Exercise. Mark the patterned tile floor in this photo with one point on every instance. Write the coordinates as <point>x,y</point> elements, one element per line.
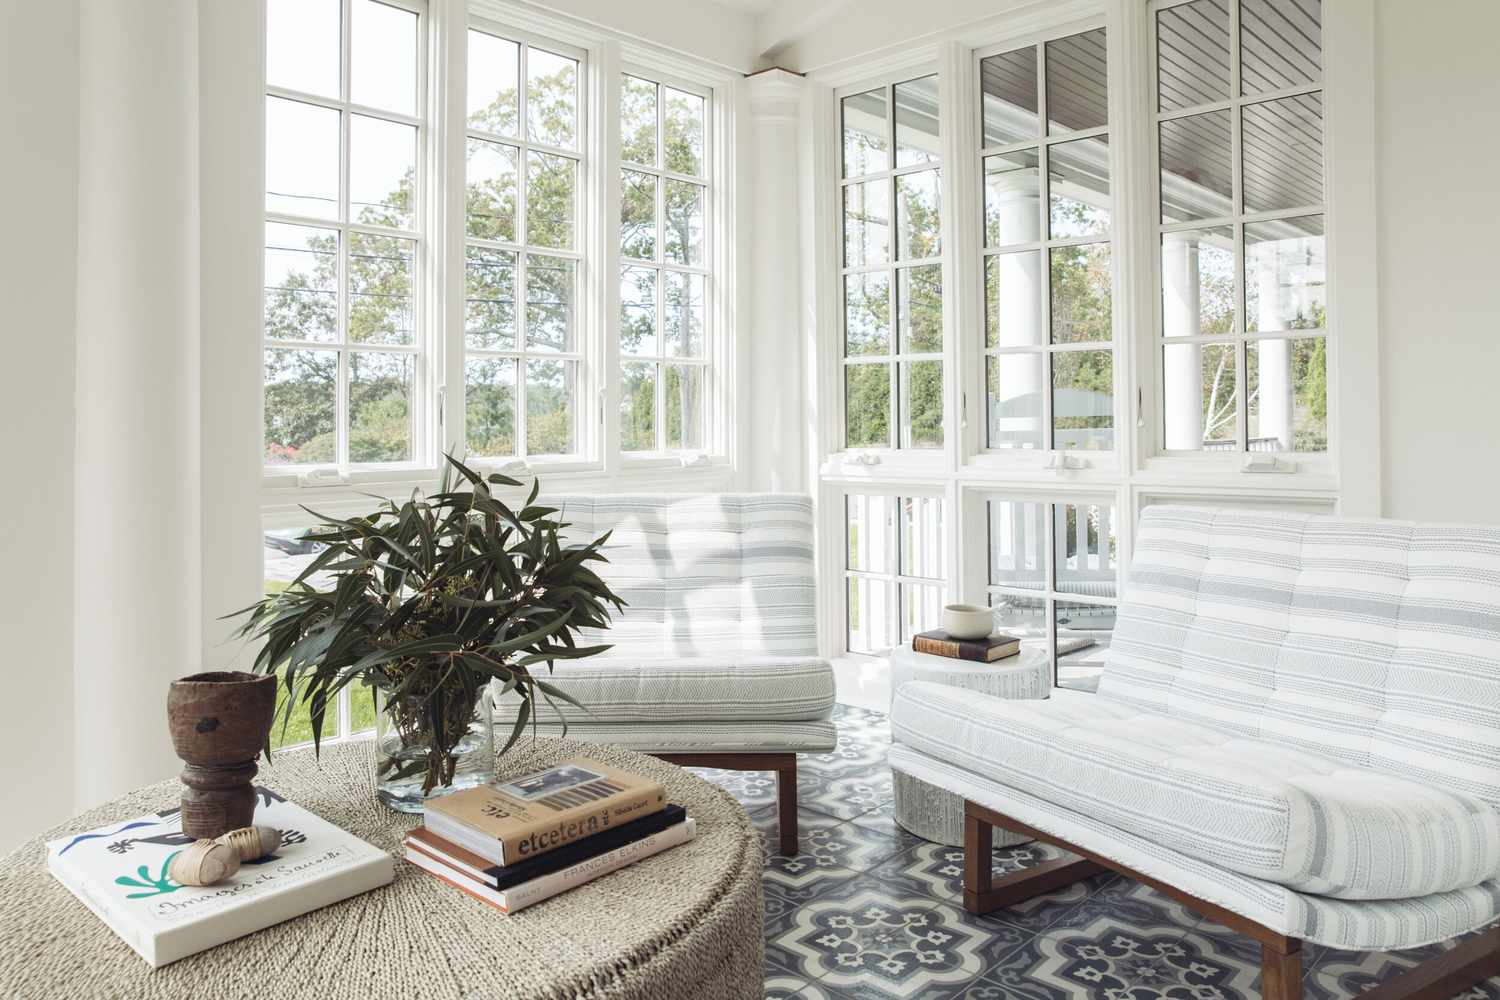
<point>868,911</point>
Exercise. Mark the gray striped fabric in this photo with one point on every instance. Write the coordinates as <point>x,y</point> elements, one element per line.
<point>700,737</point>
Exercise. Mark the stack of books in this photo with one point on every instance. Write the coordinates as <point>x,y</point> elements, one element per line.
<point>518,843</point>
<point>986,650</point>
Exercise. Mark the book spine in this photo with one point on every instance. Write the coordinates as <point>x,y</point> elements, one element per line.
<point>552,833</point>
<point>539,889</point>
<point>951,648</point>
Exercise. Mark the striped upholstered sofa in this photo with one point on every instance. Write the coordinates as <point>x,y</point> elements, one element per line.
<point>1297,732</point>
<point>715,660</point>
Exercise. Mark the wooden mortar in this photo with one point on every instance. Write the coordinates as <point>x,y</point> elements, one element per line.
<point>219,721</point>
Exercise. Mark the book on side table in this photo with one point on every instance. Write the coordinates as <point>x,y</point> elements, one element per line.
<point>986,650</point>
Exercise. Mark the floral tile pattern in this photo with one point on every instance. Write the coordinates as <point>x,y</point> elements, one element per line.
<point>868,911</point>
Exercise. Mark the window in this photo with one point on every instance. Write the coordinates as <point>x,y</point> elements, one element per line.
<point>894,569</point>
<point>523,350</point>
<point>1049,357</point>
<point>343,237</point>
<point>664,269</point>
<point>892,271</point>
<point>1243,269</point>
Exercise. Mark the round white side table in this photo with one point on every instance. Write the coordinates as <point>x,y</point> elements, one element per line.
<point>933,813</point>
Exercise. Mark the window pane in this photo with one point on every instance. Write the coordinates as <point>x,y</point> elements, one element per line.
<point>380,387</point>
<point>1080,293</point>
<point>867,215</point>
<point>919,218</point>
<point>683,397</point>
<point>551,99</point>
<point>1013,299</point>
<point>491,205</point>
<point>1077,82</point>
<point>919,308</point>
<point>551,193</point>
<point>1014,400</point>
<point>1085,549</point>
<point>1197,181</point>
<point>1281,44</point>
<point>302,298</point>
<point>867,406</point>
<point>550,406</point>
<point>301,406</point>
<point>922,537</point>
<point>683,301</point>
<point>917,122</point>
<point>866,134</point>
<point>1286,275</point>
<point>921,609</point>
<point>494,84</point>
<point>871,520</point>
<point>382,172</point>
<point>1012,198</point>
<point>867,313</point>
<point>637,406</point>
<point>550,288</point>
<point>638,311</point>
<point>1288,394</point>
<point>638,121</point>
<point>871,629</point>
<point>383,60</point>
<point>1283,153</point>
<point>490,300</point>
<point>637,214</point>
<point>382,270</point>
<point>1197,282</point>
<point>1192,54</point>
<point>1083,636</point>
<point>1078,188</point>
<point>1200,396</point>
<point>1018,534</point>
<point>922,404</point>
<point>490,406</point>
<point>1025,617</point>
<point>302,159</point>
<point>1083,401</point>
<point>1008,83</point>
<point>682,239</point>
<point>684,132</point>
<point>303,45</point>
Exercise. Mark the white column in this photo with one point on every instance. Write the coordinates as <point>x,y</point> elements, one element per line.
<point>1182,369</point>
<point>137,600</point>
<point>769,419</point>
<point>1274,396</point>
<point>1017,197</point>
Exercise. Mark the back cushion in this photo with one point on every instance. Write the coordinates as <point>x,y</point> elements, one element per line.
<point>1373,642</point>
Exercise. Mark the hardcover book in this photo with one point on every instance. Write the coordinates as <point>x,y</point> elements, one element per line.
<point>505,876</point>
<point>120,872</point>
<point>518,897</point>
<point>509,822</point>
<point>986,650</point>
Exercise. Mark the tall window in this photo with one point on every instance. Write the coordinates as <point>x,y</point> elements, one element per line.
<point>1049,358</point>
<point>894,568</point>
<point>1239,111</point>
<point>664,271</point>
<point>523,350</point>
<point>892,275</point>
<point>344,190</point>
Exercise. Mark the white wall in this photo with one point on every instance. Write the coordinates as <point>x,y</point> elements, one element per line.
<point>1438,161</point>
<point>38,118</point>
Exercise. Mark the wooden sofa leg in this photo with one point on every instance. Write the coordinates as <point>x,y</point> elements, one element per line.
<point>1281,972</point>
<point>1466,964</point>
<point>786,806</point>
<point>982,894</point>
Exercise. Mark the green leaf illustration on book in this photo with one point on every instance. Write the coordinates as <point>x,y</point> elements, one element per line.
<point>158,886</point>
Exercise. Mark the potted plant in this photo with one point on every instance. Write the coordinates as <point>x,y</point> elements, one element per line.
<point>427,603</point>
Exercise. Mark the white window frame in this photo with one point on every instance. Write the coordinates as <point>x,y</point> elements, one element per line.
<point>895,578</point>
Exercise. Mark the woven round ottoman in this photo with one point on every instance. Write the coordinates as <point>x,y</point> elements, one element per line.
<point>686,923</point>
<point>933,813</point>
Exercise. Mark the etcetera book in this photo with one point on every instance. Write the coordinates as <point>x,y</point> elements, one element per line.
<point>120,872</point>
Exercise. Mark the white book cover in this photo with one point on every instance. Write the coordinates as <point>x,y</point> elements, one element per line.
<point>120,872</point>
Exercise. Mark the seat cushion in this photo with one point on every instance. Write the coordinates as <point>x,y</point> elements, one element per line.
<point>619,690</point>
<point>1248,805</point>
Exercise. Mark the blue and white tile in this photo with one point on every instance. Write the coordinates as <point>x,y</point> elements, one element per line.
<point>1342,973</point>
<point>848,795</point>
<point>752,789</point>
<point>831,850</point>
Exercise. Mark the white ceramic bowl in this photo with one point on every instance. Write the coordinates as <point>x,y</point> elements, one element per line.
<point>967,621</point>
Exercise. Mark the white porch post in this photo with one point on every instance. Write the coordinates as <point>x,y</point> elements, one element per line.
<point>1274,395</point>
<point>1016,196</point>
<point>1182,370</point>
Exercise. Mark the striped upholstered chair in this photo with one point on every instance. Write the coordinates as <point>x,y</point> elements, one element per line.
<point>1297,733</point>
<point>715,660</point>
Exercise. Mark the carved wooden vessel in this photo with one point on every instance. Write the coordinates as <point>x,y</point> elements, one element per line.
<point>219,723</point>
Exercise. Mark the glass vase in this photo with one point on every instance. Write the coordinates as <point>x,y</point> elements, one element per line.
<point>410,768</point>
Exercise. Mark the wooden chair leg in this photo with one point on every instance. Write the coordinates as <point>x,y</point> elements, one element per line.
<point>786,806</point>
<point>1466,964</point>
<point>1281,972</point>
<point>982,895</point>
